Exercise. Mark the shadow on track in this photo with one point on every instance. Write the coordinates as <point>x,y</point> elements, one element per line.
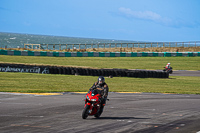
<point>120,118</point>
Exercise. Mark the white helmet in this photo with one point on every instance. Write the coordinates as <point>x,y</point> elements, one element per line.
<point>168,63</point>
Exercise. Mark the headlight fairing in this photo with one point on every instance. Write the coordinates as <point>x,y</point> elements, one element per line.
<point>88,98</point>
<point>94,100</point>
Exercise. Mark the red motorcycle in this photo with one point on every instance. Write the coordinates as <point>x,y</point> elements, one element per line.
<point>169,70</point>
<point>92,104</point>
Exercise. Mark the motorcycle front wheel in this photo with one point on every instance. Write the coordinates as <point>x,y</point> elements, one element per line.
<point>85,112</point>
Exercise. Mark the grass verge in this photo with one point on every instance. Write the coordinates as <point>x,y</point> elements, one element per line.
<point>156,63</point>
<point>40,83</point>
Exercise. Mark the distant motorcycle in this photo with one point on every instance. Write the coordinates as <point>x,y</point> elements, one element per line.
<point>92,104</point>
<point>169,70</point>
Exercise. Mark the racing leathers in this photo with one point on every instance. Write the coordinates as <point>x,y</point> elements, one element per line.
<point>103,90</point>
<point>167,66</point>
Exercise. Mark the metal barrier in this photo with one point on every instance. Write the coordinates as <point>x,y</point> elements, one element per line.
<point>112,45</point>
<point>98,54</point>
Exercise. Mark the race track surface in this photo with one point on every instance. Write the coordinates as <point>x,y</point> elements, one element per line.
<point>185,73</point>
<point>178,72</point>
<point>124,113</point>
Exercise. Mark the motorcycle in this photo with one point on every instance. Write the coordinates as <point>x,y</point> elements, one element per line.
<point>169,70</point>
<point>92,104</point>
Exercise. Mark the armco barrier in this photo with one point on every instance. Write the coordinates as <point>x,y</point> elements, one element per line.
<point>6,67</point>
<point>98,54</point>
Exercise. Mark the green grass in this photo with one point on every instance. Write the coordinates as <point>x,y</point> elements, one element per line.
<point>28,82</point>
<point>178,63</point>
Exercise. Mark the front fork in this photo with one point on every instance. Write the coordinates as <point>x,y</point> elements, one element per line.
<point>91,106</point>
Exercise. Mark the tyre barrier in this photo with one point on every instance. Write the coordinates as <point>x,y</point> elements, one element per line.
<point>44,69</point>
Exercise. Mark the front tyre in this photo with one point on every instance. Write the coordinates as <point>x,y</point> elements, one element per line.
<point>85,112</point>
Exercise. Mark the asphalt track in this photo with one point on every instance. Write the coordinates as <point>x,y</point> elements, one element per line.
<point>124,113</point>
<point>179,72</point>
<point>185,73</point>
<point>136,112</point>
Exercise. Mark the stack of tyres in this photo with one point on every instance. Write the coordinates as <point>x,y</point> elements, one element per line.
<point>150,74</point>
<point>77,71</point>
<point>111,73</point>
<point>55,71</point>
<point>101,72</point>
<point>145,74</point>
<point>154,74</point>
<point>83,71</point>
<point>141,74</point>
<point>73,71</point>
<point>118,73</point>
<point>104,72</point>
<point>60,71</point>
<point>64,70</point>
<point>41,68</point>
<point>130,73</point>
<point>88,73</point>
<point>51,70</point>
<point>69,69</point>
<point>159,74</point>
<point>98,72</point>
<point>94,72</point>
<point>137,74</point>
<point>166,75</point>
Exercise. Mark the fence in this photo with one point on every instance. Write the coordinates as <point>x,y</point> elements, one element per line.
<point>98,54</point>
<point>111,45</point>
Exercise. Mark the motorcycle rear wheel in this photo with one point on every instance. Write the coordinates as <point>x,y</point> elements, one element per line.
<point>97,115</point>
<point>85,112</point>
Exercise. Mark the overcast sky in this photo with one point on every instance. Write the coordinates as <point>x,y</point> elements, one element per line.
<point>136,20</point>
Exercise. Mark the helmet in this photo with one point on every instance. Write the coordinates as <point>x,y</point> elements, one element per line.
<point>168,63</point>
<point>101,80</point>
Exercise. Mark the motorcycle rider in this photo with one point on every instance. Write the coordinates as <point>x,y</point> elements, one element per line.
<point>167,66</point>
<point>102,88</point>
